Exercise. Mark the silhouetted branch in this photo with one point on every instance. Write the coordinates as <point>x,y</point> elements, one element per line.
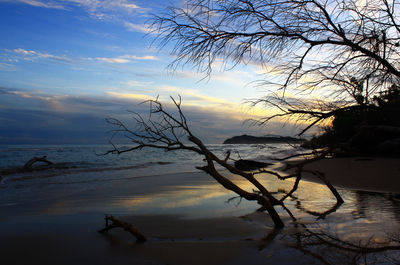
<point>170,132</point>
<point>304,46</point>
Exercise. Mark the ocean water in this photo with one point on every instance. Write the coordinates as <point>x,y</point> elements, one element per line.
<point>74,163</point>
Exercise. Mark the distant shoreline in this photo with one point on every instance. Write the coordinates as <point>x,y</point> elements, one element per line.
<point>249,139</point>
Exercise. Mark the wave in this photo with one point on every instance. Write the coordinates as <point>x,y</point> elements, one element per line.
<point>30,149</point>
<point>54,170</point>
<point>101,179</point>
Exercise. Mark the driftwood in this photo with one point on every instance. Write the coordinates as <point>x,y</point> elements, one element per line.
<point>126,226</point>
<point>28,165</point>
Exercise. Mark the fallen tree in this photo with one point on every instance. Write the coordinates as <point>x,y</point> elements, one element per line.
<point>168,131</point>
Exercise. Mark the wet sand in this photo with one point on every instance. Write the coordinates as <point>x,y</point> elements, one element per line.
<point>63,229</point>
<point>171,240</point>
<point>360,173</point>
<point>59,225</point>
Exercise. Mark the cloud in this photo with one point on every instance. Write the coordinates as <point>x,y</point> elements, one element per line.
<point>195,96</point>
<point>138,27</point>
<point>109,9</point>
<point>108,5</point>
<point>191,99</point>
<point>7,67</point>
<point>99,9</point>
<point>236,77</point>
<point>219,106</point>
<point>123,59</point>
<point>32,55</point>
<point>25,52</point>
<point>134,96</point>
<point>134,83</point>
<point>111,60</point>
<point>146,57</point>
<point>38,3</point>
<point>39,117</point>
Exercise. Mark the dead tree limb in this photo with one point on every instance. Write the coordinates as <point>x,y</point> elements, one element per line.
<point>324,179</point>
<point>169,131</point>
<point>140,238</point>
<point>298,168</point>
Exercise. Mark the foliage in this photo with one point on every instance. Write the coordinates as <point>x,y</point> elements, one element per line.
<point>383,112</point>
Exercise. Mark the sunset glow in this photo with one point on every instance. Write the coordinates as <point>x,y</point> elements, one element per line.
<point>77,55</point>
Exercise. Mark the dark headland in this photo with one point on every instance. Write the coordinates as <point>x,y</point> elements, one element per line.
<point>248,139</point>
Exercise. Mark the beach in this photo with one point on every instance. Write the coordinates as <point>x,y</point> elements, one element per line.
<point>64,231</point>
<point>187,219</point>
<point>375,174</point>
<point>182,132</point>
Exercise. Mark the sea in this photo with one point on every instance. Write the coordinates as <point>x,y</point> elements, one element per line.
<point>91,163</point>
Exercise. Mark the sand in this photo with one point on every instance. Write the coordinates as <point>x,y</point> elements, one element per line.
<point>360,173</point>
<point>185,219</point>
<point>172,240</point>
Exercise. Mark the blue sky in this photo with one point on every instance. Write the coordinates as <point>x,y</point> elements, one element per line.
<point>67,65</point>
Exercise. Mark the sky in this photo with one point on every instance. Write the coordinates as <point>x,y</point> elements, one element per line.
<point>67,65</point>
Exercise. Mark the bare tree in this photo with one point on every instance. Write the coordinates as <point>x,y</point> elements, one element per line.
<point>310,45</point>
<point>168,130</point>
<point>339,46</point>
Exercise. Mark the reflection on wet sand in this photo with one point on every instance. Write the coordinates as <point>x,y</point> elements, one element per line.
<point>363,230</point>
<point>328,248</point>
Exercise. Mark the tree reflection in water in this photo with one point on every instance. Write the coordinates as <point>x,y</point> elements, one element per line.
<point>322,241</point>
<point>329,248</point>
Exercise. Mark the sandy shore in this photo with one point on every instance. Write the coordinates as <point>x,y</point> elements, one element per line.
<point>171,240</point>
<point>187,220</point>
<point>369,174</point>
<point>185,217</point>
<point>70,236</point>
